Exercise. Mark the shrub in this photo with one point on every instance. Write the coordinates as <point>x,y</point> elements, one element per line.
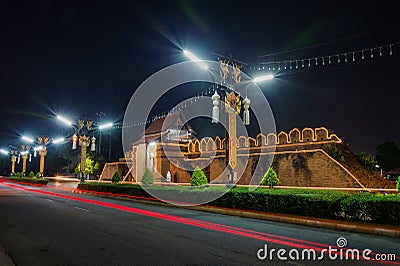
<point>398,183</point>
<point>17,174</point>
<point>337,155</point>
<point>115,178</point>
<point>364,207</point>
<point>31,174</point>
<point>147,178</point>
<point>270,178</point>
<point>27,180</point>
<point>368,161</point>
<point>38,175</point>
<point>369,207</point>
<point>198,178</point>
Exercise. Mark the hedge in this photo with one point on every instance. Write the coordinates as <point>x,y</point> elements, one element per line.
<point>362,207</point>
<point>39,181</point>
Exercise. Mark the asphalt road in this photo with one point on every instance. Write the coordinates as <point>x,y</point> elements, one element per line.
<point>49,226</point>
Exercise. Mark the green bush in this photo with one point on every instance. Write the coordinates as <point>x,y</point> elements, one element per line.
<point>147,178</point>
<point>17,174</point>
<point>41,181</point>
<point>198,178</point>
<point>398,183</point>
<point>362,207</point>
<point>270,178</point>
<point>38,175</point>
<point>369,207</point>
<point>31,174</point>
<point>115,178</point>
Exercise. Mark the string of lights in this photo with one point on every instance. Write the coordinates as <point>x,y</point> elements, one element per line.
<point>338,58</point>
<point>184,104</point>
<point>344,57</point>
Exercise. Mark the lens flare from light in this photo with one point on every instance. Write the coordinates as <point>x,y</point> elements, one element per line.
<point>58,140</point>
<point>64,120</point>
<point>195,59</point>
<point>263,78</point>
<point>27,139</point>
<point>104,126</point>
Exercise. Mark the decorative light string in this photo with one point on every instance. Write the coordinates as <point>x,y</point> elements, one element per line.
<point>345,57</point>
<point>181,106</point>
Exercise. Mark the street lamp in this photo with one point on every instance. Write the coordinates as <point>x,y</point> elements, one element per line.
<point>195,59</point>
<point>107,126</point>
<point>263,78</point>
<point>13,155</point>
<point>233,103</point>
<point>41,147</point>
<point>378,167</point>
<point>81,137</point>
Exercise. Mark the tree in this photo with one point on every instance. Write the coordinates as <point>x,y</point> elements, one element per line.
<point>198,178</point>
<point>147,178</point>
<point>398,183</point>
<point>368,161</point>
<point>115,178</point>
<point>270,178</point>
<point>91,166</point>
<point>388,155</point>
<point>31,174</point>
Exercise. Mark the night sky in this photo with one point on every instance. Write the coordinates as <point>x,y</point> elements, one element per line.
<point>77,58</point>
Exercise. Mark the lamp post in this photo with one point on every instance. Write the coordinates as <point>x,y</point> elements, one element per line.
<point>100,115</point>
<point>24,156</point>
<point>13,155</point>
<point>378,167</point>
<point>82,138</point>
<point>103,127</point>
<point>233,103</point>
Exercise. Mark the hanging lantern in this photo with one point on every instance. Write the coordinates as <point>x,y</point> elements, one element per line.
<point>30,157</point>
<point>93,146</point>
<point>34,153</point>
<point>215,114</point>
<point>246,113</point>
<point>74,141</point>
<point>19,158</point>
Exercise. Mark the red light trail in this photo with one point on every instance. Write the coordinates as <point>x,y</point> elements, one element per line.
<point>281,240</point>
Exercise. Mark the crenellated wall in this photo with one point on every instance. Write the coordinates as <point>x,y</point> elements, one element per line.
<point>300,157</point>
<point>295,137</point>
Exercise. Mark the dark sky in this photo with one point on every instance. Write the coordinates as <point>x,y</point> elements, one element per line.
<point>81,57</point>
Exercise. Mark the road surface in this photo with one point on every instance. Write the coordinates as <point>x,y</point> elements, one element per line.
<point>52,226</point>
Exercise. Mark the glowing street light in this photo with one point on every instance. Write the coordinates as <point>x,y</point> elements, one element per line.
<point>195,59</point>
<point>263,78</point>
<point>105,126</point>
<point>59,140</point>
<point>13,154</point>
<point>27,139</point>
<point>82,129</point>
<point>64,120</point>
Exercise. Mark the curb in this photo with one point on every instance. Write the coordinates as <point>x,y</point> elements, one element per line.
<point>375,229</point>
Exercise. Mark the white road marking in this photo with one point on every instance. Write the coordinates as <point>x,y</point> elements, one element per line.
<point>50,200</point>
<point>82,209</point>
